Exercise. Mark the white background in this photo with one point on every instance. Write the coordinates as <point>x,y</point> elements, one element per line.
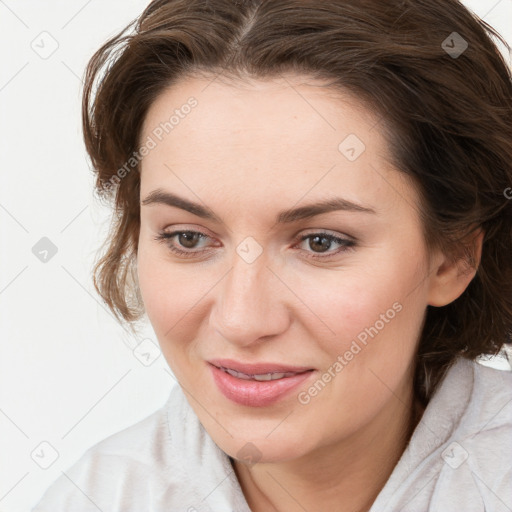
<point>68,373</point>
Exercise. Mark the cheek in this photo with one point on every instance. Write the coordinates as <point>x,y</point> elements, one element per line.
<point>373,311</point>
<point>367,361</point>
<point>168,292</point>
<point>172,301</point>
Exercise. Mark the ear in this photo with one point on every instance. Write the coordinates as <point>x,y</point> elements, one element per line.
<point>451,276</point>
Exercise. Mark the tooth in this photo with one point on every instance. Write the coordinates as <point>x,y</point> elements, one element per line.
<point>239,375</point>
<point>263,376</point>
<point>273,376</point>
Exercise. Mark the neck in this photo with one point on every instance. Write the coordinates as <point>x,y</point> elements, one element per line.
<point>347,475</point>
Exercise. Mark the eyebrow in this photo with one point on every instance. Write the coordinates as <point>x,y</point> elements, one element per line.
<point>159,196</point>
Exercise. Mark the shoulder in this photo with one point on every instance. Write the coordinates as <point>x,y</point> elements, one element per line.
<point>165,462</point>
<point>485,431</point>
<point>476,464</point>
<point>477,457</point>
<point>488,412</point>
<point>119,472</point>
<point>481,393</point>
<point>459,455</point>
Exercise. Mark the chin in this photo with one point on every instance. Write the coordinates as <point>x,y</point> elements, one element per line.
<point>262,448</point>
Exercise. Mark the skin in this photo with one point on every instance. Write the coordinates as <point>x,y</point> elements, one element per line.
<point>248,151</point>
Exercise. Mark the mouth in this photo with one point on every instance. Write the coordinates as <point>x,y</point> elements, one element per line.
<point>259,377</point>
<point>263,370</point>
<point>256,385</point>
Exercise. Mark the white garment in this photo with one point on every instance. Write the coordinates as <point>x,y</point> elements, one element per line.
<point>458,459</point>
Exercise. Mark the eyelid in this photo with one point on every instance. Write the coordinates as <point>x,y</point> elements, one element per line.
<point>322,231</point>
<point>195,228</point>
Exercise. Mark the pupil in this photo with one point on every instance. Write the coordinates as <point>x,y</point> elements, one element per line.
<point>321,243</point>
<point>188,239</point>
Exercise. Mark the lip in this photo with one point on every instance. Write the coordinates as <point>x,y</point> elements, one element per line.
<point>254,393</point>
<point>257,368</point>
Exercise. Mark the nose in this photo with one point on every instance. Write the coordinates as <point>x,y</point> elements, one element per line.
<point>250,304</point>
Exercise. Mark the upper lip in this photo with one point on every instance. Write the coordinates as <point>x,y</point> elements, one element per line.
<point>257,368</point>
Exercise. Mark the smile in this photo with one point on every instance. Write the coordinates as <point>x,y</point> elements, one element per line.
<point>257,389</point>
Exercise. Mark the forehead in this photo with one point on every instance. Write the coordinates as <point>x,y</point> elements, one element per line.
<point>284,136</point>
<point>282,113</point>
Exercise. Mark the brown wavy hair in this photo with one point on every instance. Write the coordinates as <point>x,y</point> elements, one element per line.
<point>448,121</point>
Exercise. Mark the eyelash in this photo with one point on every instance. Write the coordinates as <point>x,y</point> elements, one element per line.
<point>346,244</point>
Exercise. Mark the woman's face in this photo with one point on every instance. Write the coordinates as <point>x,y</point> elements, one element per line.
<point>275,233</point>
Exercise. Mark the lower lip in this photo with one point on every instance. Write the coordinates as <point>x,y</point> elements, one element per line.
<point>256,393</point>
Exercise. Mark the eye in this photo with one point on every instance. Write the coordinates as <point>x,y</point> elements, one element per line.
<point>183,242</point>
<point>188,243</point>
<point>320,244</point>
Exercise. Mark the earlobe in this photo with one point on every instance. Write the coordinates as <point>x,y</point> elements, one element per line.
<point>451,276</point>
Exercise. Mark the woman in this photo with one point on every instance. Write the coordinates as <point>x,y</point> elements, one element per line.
<point>311,209</point>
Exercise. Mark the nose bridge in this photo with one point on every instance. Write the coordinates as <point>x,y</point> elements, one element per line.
<point>247,306</point>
